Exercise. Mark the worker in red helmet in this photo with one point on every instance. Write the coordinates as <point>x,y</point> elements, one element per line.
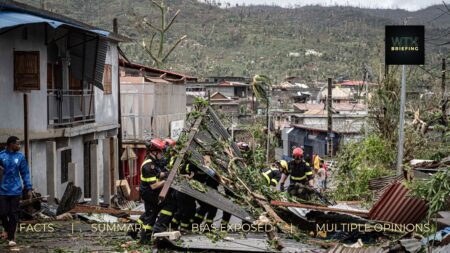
<point>300,172</point>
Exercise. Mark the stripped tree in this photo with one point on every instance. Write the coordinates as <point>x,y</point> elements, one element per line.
<point>158,34</point>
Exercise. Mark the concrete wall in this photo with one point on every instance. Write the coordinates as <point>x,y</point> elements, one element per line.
<point>11,102</point>
<point>148,109</point>
<point>106,104</point>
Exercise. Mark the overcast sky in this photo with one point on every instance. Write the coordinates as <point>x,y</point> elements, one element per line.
<point>411,5</point>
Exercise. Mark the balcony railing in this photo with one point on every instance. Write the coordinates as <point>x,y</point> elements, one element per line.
<point>70,107</point>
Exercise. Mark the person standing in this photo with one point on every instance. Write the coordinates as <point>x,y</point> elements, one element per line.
<point>15,171</point>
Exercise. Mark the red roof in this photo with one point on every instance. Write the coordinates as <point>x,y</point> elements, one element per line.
<point>160,72</point>
<point>355,83</point>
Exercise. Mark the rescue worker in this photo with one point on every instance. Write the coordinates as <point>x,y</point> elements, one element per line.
<point>299,171</point>
<point>185,208</point>
<point>273,174</point>
<point>152,181</point>
<point>206,211</point>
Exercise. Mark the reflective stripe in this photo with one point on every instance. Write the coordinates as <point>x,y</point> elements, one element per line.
<point>309,173</point>
<point>165,212</point>
<point>199,216</point>
<point>147,227</point>
<point>273,168</point>
<point>298,178</point>
<point>184,225</point>
<point>172,161</point>
<point>274,181</point>
<point>145,162</point>
<point>209,221</point>
<point>148,179</point>
<point>266,176</point>
<point>191,220</point>
<point>187,168</point>
<point>139,221</point>
<point>174,221</point>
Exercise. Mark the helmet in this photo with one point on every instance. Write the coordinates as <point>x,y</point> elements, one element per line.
<point>243,146</point>
<point>284,165</point>
<point>155,145</point>
<point>298,152</point>
<point>170,143</point>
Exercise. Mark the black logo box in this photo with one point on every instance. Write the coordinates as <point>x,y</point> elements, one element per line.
<point>403,38</point>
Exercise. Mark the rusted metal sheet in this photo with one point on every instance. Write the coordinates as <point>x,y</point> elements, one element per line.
<point>397,207</point>
<point>96,209</point>
<point>379,183</point>
<point>320,208</point>
<point>344,249</point>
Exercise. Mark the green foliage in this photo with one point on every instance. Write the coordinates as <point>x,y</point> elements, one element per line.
<point>200,103</point>
<point>434,190</point>
<point>359,162</point>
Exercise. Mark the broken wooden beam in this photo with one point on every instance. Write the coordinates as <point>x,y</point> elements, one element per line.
<point>180,156</point>
<point>363,214</point>
<point>96,209</point>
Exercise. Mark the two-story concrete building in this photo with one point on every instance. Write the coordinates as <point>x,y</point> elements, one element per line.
<point>59,93</point>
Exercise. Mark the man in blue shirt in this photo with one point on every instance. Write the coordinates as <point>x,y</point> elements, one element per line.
<point>15,171</point>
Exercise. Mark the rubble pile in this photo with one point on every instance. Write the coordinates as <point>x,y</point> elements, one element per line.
<point>318,224</point>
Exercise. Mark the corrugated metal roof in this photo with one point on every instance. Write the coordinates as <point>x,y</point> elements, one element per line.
<point>344,249</point>
<point>213,198</point>
<point>397,207</point>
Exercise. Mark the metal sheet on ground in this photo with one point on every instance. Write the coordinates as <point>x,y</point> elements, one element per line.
<point>213,198</point>
<point>231,243</point>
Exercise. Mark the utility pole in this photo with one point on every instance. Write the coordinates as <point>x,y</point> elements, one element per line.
<point>330,118</point>
<point>444,102</point>
<point>401,130</point>
<point>119,113</point>
<point>366,84</point>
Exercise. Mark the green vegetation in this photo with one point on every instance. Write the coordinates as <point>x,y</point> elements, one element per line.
<point>435,191</point>
<point>245,40</point>
<point>360,162</point>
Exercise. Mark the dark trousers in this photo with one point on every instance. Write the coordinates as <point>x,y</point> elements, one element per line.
<point>148,218</point>
<point>169,207</point>
<point>184,212</point>
<point>9,214</point>
<point>205,209</point>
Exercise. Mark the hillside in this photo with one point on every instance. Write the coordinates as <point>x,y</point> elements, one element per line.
<point>243,41</point>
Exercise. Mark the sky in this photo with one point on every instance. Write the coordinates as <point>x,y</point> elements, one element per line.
<point>411,5</point>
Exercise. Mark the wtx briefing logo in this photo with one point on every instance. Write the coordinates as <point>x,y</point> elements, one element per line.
<point>405,45</point>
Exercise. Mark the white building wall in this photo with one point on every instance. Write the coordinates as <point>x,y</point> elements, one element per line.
<point>106,110</point>
<point>11,102</point>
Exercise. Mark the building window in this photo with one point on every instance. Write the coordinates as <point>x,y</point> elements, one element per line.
<point>66,158</point>
<point>107,79</point>
<point>26,70</point>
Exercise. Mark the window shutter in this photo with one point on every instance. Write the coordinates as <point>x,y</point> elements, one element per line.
<point>107,79</point>
<point>26,70</point>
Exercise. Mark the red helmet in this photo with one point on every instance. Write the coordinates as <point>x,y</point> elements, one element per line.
<point>155,145</point>
<point>170,142</point>
<point>298,152</point>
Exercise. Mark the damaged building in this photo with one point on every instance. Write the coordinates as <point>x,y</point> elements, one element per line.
<point>59,93</point>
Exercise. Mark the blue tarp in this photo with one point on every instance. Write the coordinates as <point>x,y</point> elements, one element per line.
<point>11,19</point>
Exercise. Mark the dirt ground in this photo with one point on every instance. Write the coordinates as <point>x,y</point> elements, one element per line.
<point>72,236</point>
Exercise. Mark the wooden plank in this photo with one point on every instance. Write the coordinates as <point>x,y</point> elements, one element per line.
<point>180,157</point>
<point>364,214</point>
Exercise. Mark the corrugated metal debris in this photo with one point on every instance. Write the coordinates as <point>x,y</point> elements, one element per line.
<point>379,183</point>
<point>214,198</point>
<point>443,218</point>
<point>397,207</point>
<point>345,249</point>
<point>239,243</point>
